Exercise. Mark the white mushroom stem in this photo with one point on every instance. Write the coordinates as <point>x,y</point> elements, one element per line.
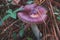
<point>36,31</point>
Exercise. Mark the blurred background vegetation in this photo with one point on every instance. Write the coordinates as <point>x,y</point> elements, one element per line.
<point>11,28</point>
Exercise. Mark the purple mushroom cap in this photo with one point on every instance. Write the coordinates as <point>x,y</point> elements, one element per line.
<point>31,17</point>
<point>29,7</point>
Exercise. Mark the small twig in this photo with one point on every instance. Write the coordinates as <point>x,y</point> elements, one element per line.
<point>48,35</point>
<point>9,26</point>
<point>5,37</point>
<point>53,20</point>
<point>57,28</point>
<point>55,3</point>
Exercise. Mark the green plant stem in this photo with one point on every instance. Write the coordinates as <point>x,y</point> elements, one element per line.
<point>20,9</point>
<point>6,17</point>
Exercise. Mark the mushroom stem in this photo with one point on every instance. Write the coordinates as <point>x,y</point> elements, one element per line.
<point>36,31</point>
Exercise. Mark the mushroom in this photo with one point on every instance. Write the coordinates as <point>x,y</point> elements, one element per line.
<point>36,15</point>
